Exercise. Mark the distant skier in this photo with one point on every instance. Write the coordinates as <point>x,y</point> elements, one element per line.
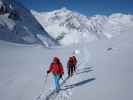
<point>57,69</point>
<point>71,65</point>
<point>75,63</point>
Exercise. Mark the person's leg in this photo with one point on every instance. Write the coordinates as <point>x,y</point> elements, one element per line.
<point>56,79</point>
<point>54,75</point>
<point>69,71</point>
<point>74,68</point>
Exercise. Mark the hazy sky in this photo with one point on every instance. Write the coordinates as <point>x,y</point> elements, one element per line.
<point>87,7</point>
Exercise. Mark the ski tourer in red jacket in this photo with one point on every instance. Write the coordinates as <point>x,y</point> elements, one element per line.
<point>56,67</point>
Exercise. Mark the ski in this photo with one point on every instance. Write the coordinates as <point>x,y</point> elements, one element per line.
<point>55,93</point>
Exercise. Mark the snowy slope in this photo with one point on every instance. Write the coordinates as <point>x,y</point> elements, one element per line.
<point>103,74</point>
<point>18,25</point>
<point>70,27</point>
<point>112,69</point>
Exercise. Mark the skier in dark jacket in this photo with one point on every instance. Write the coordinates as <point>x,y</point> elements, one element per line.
<point>74,62</point>
<point>57,69</point>
<point>70,67</point>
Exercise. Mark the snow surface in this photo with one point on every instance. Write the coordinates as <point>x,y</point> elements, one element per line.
<point>102,74</point>
<point>70,27</point>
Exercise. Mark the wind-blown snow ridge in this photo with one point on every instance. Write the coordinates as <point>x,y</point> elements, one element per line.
<point>17,24</point>
<point>70,27</point>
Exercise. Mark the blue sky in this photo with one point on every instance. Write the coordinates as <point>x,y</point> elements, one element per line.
<point>86,7</point>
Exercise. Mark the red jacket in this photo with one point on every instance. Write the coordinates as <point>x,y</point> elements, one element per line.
<point>56,68</point>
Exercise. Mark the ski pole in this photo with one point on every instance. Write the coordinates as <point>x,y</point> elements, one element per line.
<point>45,81</point>
<point>43,88</point>
<point>62,78</point>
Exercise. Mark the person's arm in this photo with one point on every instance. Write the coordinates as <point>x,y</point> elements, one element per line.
<point>50,68</point>
<point>75,60</point>
<point>61,69</point>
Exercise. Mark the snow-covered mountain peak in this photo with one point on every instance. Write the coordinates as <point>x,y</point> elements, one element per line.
<point>70,27</point>
<point>63,9</point>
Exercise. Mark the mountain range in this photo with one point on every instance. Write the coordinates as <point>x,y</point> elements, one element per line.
<point>69,27</point>
<point>62,26</point>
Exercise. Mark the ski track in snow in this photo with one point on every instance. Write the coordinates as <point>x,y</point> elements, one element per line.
<point>53,95</point>
<point>65,92</point>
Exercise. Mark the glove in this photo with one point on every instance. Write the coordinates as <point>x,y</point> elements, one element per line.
<point>48,72</point>
<point>60,75</point>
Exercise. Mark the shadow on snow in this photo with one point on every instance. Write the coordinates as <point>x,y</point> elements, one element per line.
<point>79,83</point>
<point>54,93</point>
<point>86,71</point>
